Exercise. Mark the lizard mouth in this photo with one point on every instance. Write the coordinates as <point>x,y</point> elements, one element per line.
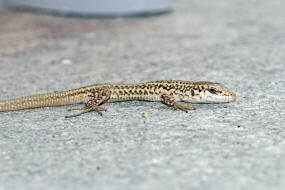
<point>221,99</point>
<point>232,97</point>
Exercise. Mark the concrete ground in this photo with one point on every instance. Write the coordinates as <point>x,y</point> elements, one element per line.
<point>233,146</point>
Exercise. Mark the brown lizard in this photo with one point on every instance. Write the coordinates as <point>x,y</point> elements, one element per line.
<point>169,92</point>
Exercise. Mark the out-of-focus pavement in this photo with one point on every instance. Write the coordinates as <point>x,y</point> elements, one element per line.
<point>233,146</point>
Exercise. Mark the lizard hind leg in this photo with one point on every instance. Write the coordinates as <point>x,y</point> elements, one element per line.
<point>169,100</point>
<point>97,97</point>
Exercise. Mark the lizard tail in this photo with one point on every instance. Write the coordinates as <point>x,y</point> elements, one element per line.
<point>41,100</point>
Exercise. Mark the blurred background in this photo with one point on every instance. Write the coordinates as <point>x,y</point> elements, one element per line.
<point>94,7</point>
<point>53,45</point>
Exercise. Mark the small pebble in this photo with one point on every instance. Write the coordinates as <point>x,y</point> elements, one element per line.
<point>144,114</point>
<point>66,61</point>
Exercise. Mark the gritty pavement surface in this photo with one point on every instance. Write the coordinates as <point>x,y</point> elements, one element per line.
<point>232,146</point>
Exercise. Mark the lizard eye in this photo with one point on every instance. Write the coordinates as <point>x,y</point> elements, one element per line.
<point>213,91</point>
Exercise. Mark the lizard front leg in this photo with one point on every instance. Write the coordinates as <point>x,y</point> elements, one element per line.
<point>169,100</point>
<point>97,97</point>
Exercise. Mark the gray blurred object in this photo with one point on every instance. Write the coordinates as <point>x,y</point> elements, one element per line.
<point>95,7</point>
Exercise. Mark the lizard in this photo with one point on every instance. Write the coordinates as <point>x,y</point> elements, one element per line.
<point>169,92</point>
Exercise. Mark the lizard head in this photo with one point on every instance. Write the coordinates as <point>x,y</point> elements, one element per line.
<point>208,92</point>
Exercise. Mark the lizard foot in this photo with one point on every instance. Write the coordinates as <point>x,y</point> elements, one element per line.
<point>169,100</point>
<point>183,107</point>
<point>98,109</point>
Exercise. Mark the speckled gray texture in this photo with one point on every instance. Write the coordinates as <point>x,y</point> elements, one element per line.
<point>233,146</point>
